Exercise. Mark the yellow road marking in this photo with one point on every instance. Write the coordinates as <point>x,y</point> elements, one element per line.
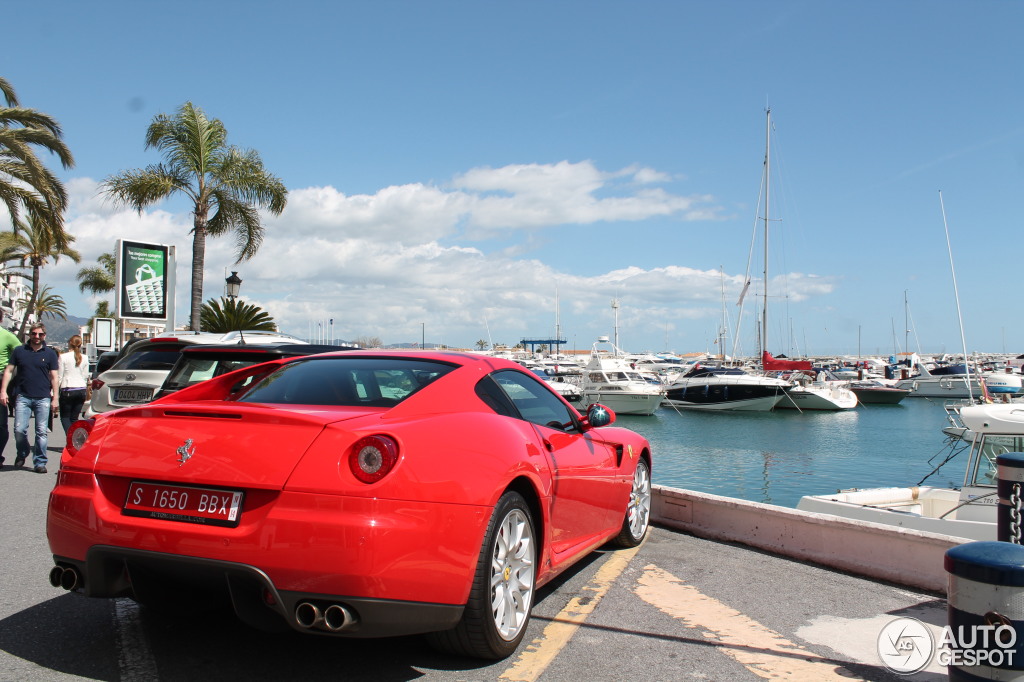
<point>764,652</point>
<point>539,654</point>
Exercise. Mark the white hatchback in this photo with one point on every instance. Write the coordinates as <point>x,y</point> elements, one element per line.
<point>138,374</point>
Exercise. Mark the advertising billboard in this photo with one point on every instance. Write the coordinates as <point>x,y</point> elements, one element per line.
<point>103,333</point>
<point>145,282</point>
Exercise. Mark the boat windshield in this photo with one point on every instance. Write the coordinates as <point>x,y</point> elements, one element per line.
<point>991,446</point>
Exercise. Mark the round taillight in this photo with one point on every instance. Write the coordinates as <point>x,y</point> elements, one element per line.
<point>78,434</point>
<point>372,457</point>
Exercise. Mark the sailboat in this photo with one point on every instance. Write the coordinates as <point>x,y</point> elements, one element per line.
<point>811,390</point>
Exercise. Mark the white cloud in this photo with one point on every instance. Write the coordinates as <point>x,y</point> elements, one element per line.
<point>387,263</point>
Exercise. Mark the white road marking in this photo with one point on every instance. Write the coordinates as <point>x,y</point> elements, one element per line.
<point>762,651</point>
<point>538,655</point>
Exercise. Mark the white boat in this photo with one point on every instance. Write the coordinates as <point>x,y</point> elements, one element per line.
<point>569,390</point>
<point>1002,383</point>
<point>941,383</point>
<point>968,512</point>
<point>725,389</point>
<point>608,379</point>
<point>820,393</point>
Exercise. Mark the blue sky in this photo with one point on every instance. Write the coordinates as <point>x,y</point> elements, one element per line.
<point>455,168</point>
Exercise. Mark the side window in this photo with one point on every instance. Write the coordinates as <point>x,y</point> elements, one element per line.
<point>489,392</point>
<point>534,401</point>
<point>992,447</point>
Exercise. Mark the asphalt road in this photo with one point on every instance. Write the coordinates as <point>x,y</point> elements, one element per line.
<point>679,608</point>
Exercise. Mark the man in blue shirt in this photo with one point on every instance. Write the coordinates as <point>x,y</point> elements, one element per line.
<point>36,391</point>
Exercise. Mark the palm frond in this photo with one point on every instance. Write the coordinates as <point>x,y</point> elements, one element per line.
<point>225,315</point>
<point>140,188</point>
<point>48,304</point>
<point>242,221</point>
<point>7,90</point>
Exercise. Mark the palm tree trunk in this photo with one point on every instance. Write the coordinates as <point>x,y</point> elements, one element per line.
<point>198,265</point>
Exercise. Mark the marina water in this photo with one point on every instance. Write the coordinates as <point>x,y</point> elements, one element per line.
<point>777,457</point>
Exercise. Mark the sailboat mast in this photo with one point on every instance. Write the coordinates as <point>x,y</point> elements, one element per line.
<point>906,324</point>
<point>615,309</point>
<point>956,295</point>
<point>767,194</point>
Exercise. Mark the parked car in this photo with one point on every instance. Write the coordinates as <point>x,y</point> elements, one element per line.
<point>200,362</point>
<point>142,366</point>
<point>356,494</point>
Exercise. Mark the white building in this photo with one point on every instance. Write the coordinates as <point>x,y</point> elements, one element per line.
<point>14,292</point>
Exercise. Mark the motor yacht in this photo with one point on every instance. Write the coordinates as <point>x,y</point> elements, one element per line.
<point>608,379</point>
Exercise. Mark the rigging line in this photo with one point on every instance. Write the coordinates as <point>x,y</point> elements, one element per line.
<point>750,260</point>
<point>956,294</point>
<point>954,451</point>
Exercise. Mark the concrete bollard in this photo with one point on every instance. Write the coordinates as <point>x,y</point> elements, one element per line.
<point>1010,512</point>
<point>984,638</point>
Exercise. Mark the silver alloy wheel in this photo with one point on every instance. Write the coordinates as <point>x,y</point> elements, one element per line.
<point>639,513</point>
<point>512,574</point>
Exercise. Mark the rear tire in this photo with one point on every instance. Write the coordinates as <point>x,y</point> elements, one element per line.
<point>501,598</point>
<point>638,512</point>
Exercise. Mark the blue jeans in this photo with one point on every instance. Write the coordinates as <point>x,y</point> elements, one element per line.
<point>4,429</point>
<point>24,409</point>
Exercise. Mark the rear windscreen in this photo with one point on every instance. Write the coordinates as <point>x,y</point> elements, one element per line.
<point>364,382</point>
<point>192,369</point>
<point>150,357</point>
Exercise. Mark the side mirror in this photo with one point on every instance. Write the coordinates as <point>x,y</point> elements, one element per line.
<point>598,415</point>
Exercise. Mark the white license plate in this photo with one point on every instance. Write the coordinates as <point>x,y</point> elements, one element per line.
<point>184,503</point>
<point>133,395</point>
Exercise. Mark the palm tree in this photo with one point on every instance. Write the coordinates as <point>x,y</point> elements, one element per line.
<point>49,304</point>
<point>24,180</point>
<point>34,242</point>
<point>99,279</point>
<point>481,344</point>
<point>229,314</point>
<point>224,180</point>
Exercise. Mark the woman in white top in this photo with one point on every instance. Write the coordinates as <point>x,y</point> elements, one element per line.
<point>73,380</point>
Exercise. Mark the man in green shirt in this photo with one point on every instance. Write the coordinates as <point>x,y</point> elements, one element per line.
<point>8,342</point>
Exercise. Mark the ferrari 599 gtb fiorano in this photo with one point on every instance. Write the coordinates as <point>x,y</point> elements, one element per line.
<point>358,494</point>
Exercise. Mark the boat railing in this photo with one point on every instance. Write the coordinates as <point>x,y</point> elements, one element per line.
<point>952,408</point>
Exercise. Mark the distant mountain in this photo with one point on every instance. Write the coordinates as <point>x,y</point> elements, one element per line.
<point>58,331</point>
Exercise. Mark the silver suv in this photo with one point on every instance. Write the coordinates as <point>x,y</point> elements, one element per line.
<point>138,374</point>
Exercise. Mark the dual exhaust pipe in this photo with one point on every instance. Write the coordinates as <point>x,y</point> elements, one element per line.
<point>332,618</point>
<point>309,616</point>
<point>64,577</point>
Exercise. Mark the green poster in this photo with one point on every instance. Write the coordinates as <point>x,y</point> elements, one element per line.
<point>143,290</point>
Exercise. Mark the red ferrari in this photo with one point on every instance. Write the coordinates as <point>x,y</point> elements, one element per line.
<point>359,494</point>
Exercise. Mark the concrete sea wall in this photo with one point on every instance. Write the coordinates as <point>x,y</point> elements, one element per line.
<point>898,555</point>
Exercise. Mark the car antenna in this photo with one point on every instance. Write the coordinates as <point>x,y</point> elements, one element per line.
<point>241,335</point>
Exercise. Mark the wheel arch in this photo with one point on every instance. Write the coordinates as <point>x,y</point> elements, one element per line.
<point>525,487</point>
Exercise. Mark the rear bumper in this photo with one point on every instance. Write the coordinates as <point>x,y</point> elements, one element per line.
<point>322,545</point>
<point>149,576</point>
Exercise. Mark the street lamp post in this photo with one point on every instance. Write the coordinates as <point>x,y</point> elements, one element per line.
<point>423,335</point>
<point>234,283</point>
